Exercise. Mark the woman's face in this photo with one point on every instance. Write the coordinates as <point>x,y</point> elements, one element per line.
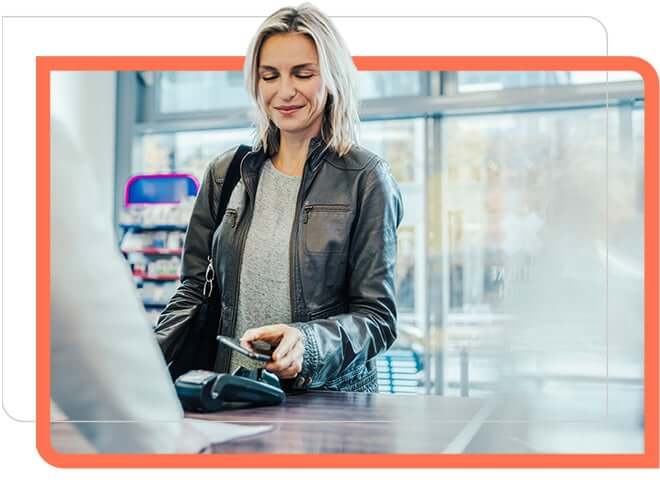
<point>290,84</point>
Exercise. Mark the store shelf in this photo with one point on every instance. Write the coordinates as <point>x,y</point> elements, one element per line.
<point>153,227</point>
<point>399,371</point>
<point>154,223</point>
<point>154,251</point>
<point>162,277</point>
<point>153,305</point>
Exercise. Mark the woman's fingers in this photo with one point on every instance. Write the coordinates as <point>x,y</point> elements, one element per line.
<point>291,337</point>
<point>289,364</point>
<point>284,347</point>
<point>271,334</point>
<point>287,358</point>
<point>292,371</point>
<point>294,367</point>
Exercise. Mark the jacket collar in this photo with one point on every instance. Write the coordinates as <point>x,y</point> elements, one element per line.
<point>317,147</point>
<point>254,161</point>
<point>256,158</point>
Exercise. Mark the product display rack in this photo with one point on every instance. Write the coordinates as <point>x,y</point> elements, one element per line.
<point>400,371</point>
<point>153,230</point>
<point>154,287</point>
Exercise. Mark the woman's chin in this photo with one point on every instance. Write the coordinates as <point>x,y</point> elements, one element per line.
<point>289,128</point>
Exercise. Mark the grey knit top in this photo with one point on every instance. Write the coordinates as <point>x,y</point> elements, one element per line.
<point>264,296</point>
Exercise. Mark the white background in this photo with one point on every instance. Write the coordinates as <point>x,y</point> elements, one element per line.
<point>631,30</point>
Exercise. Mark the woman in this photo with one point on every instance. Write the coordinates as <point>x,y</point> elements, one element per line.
<point>305,254</point>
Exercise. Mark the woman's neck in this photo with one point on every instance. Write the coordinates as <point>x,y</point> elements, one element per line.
<point>291,157</point>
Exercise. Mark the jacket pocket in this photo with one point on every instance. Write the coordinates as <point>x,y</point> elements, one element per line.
<point>326,228</point>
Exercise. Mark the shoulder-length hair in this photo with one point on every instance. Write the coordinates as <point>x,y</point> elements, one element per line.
<point>340,117</point>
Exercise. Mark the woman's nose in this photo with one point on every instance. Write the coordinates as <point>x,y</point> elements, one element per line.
<point>287,88</point>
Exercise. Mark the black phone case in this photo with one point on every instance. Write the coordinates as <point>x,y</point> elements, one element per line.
<point>232,344</point>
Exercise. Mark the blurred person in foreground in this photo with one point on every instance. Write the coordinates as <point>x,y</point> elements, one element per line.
<point>107,373</point>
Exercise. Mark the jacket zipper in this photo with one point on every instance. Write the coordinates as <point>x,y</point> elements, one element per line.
<point>234,215</point>
<point>293,249</point>
<point>324,208</point>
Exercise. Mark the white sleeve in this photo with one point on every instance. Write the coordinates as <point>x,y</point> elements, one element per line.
<point>105,362</point>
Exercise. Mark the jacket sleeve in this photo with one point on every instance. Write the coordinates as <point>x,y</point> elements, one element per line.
<point>337,345</point>
<point>188,295</point>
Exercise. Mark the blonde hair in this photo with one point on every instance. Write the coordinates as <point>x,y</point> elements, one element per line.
<point>338,73</point>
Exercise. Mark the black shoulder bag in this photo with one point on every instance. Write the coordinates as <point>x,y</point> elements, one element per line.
<point>196,347</point>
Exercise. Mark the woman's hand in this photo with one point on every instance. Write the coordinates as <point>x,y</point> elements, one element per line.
<point>288,348</point>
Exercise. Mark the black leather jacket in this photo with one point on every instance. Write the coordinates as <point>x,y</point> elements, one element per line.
<point>343,256</point>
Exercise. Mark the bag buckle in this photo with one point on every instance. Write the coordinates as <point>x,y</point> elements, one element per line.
<point>208,284</point>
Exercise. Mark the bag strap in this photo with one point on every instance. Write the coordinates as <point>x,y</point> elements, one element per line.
<point>232,176</point>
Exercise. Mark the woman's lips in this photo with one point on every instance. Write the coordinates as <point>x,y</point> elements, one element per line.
<point>288,111</point>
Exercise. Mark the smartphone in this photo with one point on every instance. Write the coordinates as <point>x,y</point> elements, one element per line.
<point>233,344</point>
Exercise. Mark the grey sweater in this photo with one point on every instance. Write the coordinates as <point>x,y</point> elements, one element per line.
<point>264,297</point>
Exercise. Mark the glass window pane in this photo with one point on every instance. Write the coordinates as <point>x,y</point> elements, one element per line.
<point>401,143</point>
<point>583,77</point>
<point>544,255</point>
<point>191,91</point>
<point>184,152</point>
<point>377,84</point>
<point>478,81</point>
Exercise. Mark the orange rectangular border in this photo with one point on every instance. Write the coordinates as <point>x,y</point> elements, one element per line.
<point>649,459</point>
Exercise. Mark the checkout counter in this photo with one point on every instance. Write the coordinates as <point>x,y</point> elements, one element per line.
<point>317,422</point>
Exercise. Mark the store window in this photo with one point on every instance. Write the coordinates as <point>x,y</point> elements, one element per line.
<point>402,143</point>
<point>544,215</point>
<point>183,152</point>
<point>199,91</point>
<point>509,177</point>
<point>479,81</point>
<point>380,84</point>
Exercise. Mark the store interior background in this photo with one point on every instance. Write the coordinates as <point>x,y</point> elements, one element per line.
<point>520,258</point>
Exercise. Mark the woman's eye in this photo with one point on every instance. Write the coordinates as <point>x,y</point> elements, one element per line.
<point>268,78</point>
<point>305,76</point>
